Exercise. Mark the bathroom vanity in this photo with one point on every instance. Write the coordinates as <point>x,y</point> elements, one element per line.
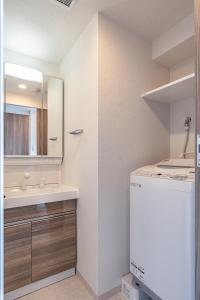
<point>39,212</point>
<point>40,238</point>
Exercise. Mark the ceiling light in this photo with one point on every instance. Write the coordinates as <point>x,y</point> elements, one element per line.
<point>23,72</point>
<point>22,86</point>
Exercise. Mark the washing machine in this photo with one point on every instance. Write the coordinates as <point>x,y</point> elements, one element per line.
<point>162,229</point>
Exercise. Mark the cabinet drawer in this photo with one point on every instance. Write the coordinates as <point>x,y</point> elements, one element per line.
<point>30,212</point>
<point>53,246</point>
<point>17,256</point>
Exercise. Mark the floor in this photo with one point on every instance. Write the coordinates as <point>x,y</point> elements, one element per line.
<point>69,289</point>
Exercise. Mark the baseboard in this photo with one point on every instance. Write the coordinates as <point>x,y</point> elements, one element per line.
<point>35,286</point>
<point>104,296</point>
<point>90,290</point>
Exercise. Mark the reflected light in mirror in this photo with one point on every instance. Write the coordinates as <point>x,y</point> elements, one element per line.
<point>23,72</point>
<point>22,86</point>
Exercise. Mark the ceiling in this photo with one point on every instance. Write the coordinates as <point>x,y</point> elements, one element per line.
<point>33,89</point>
<point>47,30</point>
<point>150,18</point>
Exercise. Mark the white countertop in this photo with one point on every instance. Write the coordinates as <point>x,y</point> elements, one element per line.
<point>33,196</point>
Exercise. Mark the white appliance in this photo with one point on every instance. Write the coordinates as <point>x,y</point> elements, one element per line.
<point>162,214</point>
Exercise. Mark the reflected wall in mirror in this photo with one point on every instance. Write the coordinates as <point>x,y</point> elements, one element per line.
<point>33,115</point>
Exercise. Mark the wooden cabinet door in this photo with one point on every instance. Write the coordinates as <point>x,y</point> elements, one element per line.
<point>53,246</point>
<point>17,256</point>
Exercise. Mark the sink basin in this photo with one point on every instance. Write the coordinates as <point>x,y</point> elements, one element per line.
<point>32,196</point>
<point>33,191</point>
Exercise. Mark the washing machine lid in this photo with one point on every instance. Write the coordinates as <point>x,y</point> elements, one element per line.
<point>177,163</point>
<point>175,169</point>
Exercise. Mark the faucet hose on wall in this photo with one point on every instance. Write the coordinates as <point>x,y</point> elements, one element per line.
<point>187,125</point>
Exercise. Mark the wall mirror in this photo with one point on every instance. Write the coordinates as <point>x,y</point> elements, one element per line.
<point>33,113</point>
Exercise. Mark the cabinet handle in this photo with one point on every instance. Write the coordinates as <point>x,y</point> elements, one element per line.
<point>77,131</point>
<point>53,139</point>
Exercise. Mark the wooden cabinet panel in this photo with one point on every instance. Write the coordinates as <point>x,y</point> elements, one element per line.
<point>17,256</point>
<point>35,211</point>
<point>53,246</point>
<point>40,241</point>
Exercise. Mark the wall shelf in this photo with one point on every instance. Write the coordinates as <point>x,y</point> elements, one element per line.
<point>181,89</point>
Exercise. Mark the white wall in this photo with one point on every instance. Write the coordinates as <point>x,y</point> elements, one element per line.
<point>23,100</point>
<point>132,133</point>
<point>185,68</point>
<point>180,110</point>
<point>80,168</point>
<point>31,62</point>
<point>176,44</point>
<point>14,175</point>
<point>102,96</point>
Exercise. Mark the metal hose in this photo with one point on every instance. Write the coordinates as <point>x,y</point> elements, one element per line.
<point>187,125</point>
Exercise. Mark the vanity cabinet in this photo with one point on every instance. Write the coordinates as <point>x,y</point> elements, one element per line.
<point>40,241</point>
<point>17,256</point>
<point>53,246</point>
